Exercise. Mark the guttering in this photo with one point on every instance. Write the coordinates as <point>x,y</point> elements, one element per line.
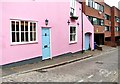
<point>82,23</point>
<point>82,29</point>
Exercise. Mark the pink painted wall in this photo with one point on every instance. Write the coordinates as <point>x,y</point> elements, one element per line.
<point>56,13</point>
<point>0,33</point>
<point>88,28</point>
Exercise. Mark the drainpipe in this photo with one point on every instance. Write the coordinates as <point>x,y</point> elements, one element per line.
<point>82,29</point>
<point>112,26</point>
<point>82,10</point>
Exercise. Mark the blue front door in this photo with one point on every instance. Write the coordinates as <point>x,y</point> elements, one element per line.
<point>45,43</point>
<point>87,41</point>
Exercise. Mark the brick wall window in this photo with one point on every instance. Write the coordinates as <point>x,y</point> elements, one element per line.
<point>96,21</point>
<point>95,5</point>
<point>117,19</point>
<point>100,22</point>
<point>107,28</point>
<point>117,28</point>
<point>107,17</point>
<point>90,3</point>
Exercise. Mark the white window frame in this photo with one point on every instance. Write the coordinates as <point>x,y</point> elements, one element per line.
<point>73,5</point>
<point>87,2</point>
<point>93,4</point>
<point>70,42</point>
<point>20,42</point>
<point>96,7</point>
<point>90,3</point>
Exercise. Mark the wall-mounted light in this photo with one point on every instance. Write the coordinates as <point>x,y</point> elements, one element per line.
<point>68,22</point>
<point>46,22</point>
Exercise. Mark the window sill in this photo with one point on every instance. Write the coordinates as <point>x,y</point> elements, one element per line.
<point>95,9</point>
<point>74,17</point>
<point>73,42</point>
<point>24,43</point>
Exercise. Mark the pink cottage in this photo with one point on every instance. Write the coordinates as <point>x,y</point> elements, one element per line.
<point>35,28</point>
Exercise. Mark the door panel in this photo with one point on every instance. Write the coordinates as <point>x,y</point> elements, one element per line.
<point>45,32</point>
<point>45,43</point>
<point>87,41</point>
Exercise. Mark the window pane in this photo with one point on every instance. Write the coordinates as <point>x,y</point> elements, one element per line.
<point>17,26</point>
<point>30,26</point>
<point>95,21</point>
<point>34,27</point>
<point>13,25</point>
<point>93,4</point>
<point>72,33</point>
<point>26,36</point>
<point>72,37</point>
<point>101,8</point>
<point>34,36</point>
<point>96,6</point>
<point>107,28</point>
<point>26,26</point>
<point>13,36</point>
<point>105,16</point>
<point>73,30</point>
<point>31,36</point>
<point>22,36</point>
<point>102,22</point>
<point>22,25</point>
<point>70,29</point>
<point>17,36</point>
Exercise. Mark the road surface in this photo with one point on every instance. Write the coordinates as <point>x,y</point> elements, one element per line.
<point>100,68</point>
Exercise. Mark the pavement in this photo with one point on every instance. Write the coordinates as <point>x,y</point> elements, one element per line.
<point>56,61</point>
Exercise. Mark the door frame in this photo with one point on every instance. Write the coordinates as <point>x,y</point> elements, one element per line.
<point>90,38</point>
<point>49,40</point>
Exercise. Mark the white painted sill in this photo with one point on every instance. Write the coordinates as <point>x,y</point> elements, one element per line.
<point>73,42</point>
<point>23,43</point>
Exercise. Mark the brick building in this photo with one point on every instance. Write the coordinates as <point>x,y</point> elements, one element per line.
<point>106,21</point>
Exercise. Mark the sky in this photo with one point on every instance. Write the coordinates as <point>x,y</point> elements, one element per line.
<point>112,2</point>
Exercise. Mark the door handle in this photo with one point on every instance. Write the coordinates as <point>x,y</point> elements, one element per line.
<point>45,46</point>
<point>45,34</point>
